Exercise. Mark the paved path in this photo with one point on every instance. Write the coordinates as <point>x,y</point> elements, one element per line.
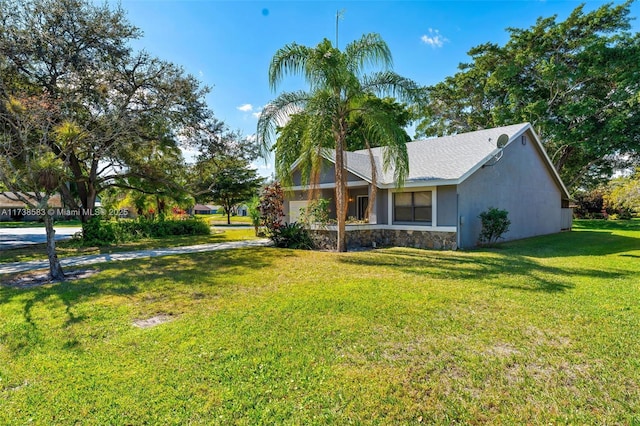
<point>10,268</point>
<point>19,237</point>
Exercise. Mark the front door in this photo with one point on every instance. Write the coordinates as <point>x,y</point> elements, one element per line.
<point>363,203</point>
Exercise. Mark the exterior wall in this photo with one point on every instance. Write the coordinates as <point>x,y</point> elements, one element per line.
<point>444,204</point>
<point>520,183</point>
<point>447,206</point>
<point>327,175</point>
<point>304,196</point>
<point>358,237</point>
<point>382,206</point>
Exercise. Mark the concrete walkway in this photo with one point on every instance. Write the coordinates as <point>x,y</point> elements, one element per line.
<point>91,259</point>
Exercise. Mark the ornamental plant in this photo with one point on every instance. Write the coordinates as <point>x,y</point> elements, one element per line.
<point>495,223</point>
<point>272,208</point>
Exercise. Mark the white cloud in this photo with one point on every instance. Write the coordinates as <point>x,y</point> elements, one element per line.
<point>434,38</point>
<point>256,114</point>
<point>245,107</point>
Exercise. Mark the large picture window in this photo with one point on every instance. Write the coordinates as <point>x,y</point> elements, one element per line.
<point>412,206</point>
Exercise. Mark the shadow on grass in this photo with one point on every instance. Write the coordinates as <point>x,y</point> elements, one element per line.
<point>132,278</point>
<point>513,264</point>
<point>497,269</point>
<point>575,243</point>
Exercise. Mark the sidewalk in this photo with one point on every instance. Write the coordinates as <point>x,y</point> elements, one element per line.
<point>11,268</point>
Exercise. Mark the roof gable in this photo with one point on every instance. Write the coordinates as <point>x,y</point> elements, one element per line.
<point>444,160</point>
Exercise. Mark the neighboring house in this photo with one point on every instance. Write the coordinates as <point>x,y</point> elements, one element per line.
<point>205,209</point>
<point>242,210</point>
<point>12,209</point>
<point>451,180</point>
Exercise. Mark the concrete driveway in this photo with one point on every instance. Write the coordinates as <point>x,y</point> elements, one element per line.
<point>18,237</point>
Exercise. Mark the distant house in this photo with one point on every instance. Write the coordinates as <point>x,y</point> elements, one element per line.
<point>451,180</point>
<point>242,210</point>
<point>205,209</point>
<point>12,209</point>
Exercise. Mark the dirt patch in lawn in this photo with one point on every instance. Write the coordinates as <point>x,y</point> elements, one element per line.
<point>40,278</point>
<point>153,321</point>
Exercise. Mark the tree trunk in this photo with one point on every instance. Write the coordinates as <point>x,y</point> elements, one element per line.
<point>228,216</point>
<point>55,270</point>
<point>341,196</point>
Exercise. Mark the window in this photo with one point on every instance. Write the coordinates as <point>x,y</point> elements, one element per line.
<point>412,206</point>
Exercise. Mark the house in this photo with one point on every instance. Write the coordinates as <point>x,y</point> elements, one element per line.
<point>12,209</point>
<point>451,180</point>
<point>205,209</point>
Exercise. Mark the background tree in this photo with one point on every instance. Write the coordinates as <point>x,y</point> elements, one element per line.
<point>112,101</point>
<point>576,81</point>
<point>339,93</point>
<point>229,183</point>
<point>222,172</point>
<point>623,195</point>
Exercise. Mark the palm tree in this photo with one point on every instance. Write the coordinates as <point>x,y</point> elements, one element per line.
<point>318,119</point>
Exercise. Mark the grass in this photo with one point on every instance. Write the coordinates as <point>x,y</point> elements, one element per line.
<point>68,248</point>
<point>221,219</point>
<point>545,330</point>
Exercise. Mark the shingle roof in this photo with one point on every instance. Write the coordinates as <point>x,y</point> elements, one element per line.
<point>443,158</point>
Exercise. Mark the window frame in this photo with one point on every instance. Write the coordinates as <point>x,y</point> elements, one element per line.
<point>413,208</point>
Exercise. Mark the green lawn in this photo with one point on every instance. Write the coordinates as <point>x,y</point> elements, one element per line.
<point>221,219</point>
<point>69,248</point>
<point>545,330</point>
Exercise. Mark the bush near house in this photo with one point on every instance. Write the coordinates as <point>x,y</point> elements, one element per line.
<point>292,235</point>
<point>495,223</point>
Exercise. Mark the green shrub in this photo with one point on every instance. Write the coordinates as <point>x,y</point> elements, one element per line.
<point>494,224</point>
<point>292,235</point>
<point>317,211</point>
<point>98,232</point>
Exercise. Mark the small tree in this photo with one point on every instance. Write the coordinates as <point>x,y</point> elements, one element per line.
<point>29,170</point>
<point>272,208</point>
<point>254,213</point>
<point>494,224</point>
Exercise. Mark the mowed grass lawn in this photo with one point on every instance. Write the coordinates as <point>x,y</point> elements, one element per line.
<point>545,330</point>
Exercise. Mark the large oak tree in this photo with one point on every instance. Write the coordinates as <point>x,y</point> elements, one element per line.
<point>577,81</point>
<point>110,99</point>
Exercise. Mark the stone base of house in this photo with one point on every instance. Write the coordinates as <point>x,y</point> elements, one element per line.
<point>325,239</point>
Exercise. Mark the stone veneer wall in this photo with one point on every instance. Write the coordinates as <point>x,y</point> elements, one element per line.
<point>357,238</point>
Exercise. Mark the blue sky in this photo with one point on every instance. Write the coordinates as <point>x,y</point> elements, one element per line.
<point>228,44</point>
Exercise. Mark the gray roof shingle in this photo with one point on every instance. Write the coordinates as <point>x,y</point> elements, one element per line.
<point>443,158</point>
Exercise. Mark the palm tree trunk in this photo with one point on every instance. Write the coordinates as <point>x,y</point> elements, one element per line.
<point>55,270</point>
<point>341,196</point>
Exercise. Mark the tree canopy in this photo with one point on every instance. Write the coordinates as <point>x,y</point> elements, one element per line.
<point>577,82</point>
<point>114,107</point>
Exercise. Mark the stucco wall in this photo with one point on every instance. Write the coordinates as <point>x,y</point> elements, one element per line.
<point>327,175</point>
<point>447,205</point>
<point>520,183</point>
<point>304,196</point>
